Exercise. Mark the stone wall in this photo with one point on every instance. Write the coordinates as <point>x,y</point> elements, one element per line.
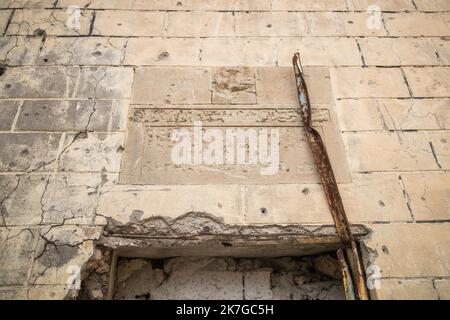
<point>66,92</point>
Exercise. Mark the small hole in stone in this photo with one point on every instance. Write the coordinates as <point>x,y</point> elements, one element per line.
<point>305,191</point>
<point>2,70</point>
<point>381,203</point>
<point>264,211</point>
<point>385,249</point>
<point>227,244</point>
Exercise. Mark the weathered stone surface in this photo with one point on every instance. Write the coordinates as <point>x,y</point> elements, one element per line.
<point>105,83</point>
<point>389,151</point>
<point>129,23</point>
<point>15,51</point>
<point>200,24</point>
<point>122,202</point>
<point>163,51</point>
<point>27,4</point>
<point>28,151</point>
<point>4,17</point>
<point>257,24</point>
<point>393,114</point>
<point>435,5</point>
<point>16,257</point>
<point>163,85</point>
<point>402,51</point>
<point>277,86</point>
<point>375,198</point>
<point>234,86</point>
<point>368,83</point>
<point>82,51</point>
<point>342,24</point>
<point>443,289</point>
<point>21,196</point>
<point>8,111</point>
<point>309,5</point>
<point>398,249</point>
<point>49,22</point>
<point>384,5</point>
<point>257,285</point>
<point>93,152</point>
<point>429,82</point>
<point>80,193</point>
<point>269,204</point>
<point>319,51</point>
<point>440,148</point>
<point>64,115</point>
<point>432,24</point>
<point>442,47</point>
<point>406,289</point>
<point>52,82</point>
<point>239,52</point>
<point>428,195</point>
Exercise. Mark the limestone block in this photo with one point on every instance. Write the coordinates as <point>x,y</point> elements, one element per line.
<point>431,24</point>
<point>28,151</point>
<point>368,83</point>
<point>384,5</point>
<point>161,85</point>
<point>163,51</point>
<point>429,82</point>
<point>234,86</point>
<point>406,289</point>
<point>49,22</point>
<point>82,51</point>
<point>19,51</point>
<point>93,152</point>
<point>428,195</point>
<point>8,111</point>
<point>200,24</point>
<point>130,23</point>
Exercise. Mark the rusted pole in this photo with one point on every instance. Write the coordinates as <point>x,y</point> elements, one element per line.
<point>329,182</point>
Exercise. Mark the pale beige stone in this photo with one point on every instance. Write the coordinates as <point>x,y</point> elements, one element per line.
<point>277,85</point>
<point>429,82</point>
<point>388,151</point>
<point>393,114</point>
<point>200,24</point>
<point>50,22</point>
<point>4,17</point>
<point>163,51</point>
<point>121,202</point>
<point>19,50</point>
<point>368,82</point>
<point>27,4</point>
<point>440,145</point>
<point>239,52</point>
<point>431,24</point>
<point>82,51</point>
<point>8,112</point>
<point>105,83</point>
<point>384,5</point>
<point>161,85</point>
<point>428,195</point>
<point>443,288</point>
<point>406,289</point>
<point>270,204</point>
<point>309,5</point>
<point>15,209</point>
<point>406,250</point>
<point>167,5</point>
<point>237,5</point>
<point>319,51</point>
<point>16,257</point>
<point>432,5</point>
<point>342,24</point>
<point>130,23</point>
<point>97,4</point>
<point>234,86</point>
<point>398,51</point>
<point>92,153</point>
<point>442,47</point>
<point>374,198</point>
<point>252,24</point>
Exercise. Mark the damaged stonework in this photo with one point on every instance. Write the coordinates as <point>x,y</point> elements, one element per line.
<point>197,278</point>
<point>195,234</point>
